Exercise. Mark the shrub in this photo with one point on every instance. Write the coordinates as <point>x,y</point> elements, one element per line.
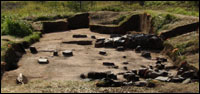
<point>16,28</point>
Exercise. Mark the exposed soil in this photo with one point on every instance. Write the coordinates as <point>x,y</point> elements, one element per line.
<point>86,58</point>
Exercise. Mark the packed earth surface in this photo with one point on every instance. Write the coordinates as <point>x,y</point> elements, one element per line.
<point>86,58</point>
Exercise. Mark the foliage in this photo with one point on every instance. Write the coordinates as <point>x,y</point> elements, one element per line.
<point>16,27</point>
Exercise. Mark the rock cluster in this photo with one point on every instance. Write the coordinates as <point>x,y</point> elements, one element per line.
<point>139,41</point>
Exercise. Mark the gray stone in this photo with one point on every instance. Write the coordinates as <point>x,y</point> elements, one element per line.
<point>131,77</point>
<point>43,61</point>
<point>125,68</point>
<point>67,53</point>
<point>134,71</point>
<point>163,79</point>
<point>160,66</point>
<point>186,81</point>
<point>177,79</point>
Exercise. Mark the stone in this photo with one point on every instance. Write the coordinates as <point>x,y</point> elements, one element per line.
<point>131,77</point>
<point>186,81</point>
<point>99,44</point>
<point>138,49</point>
<point>102,52</point>
<point>125,63</point>
<point>120,48</point>
<point>124,56</point>
<point>79,36</point>
<point>100,39</point>
<point>141,83</point>
<point>163,79</point>
<point>188,74</point>
<point>146,54</point>
<point>161,59</point>
<point>177,79</point>
<point>158,62</point>
<point>116,67</point>
<point>67,53</point>
<point>93,37</point>
<point>43,61</point>
<point>55,53</point>
<point>108,64</point>
<point>33,50</point>
<point>141,72</point>
<point>109,83</point>
<point>134,71</point>
<point>82,76</point>
<point>125,68</point>
<point>160,66</point>
<point>101,75</point>
<point>21,79</point>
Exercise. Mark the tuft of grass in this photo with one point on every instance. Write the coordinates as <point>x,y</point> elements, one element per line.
<point>183,11</point>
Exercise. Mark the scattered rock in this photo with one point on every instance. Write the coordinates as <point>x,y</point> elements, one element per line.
<point>124,56</point>
<point>138,49</point>
<point>161,59</point>
<point>134,71</point>
<point>79,36</point>
<point>79,42</point>
<point>55,53</point>
<point>82,76</point>
<point>21,79</point>
<point>109,83</point>
<point>141,72</point>
<point>93,37</point>
<point>146,54</point>
<point>120,48</point>
<point>141,83</point>
<point>131,77</point>
<point>102,52</point>
<point>160,66</point>
<point>99,44</point>
<point>33,50</point>
<point>125,68</point>
<point>67,53</point>
<point>108,64</point>
<point>177,79</point>
<point>101,75</point>
<point>163,79</point>
<point>116,67</point>
<point>125,63</point>
<point>43,61</point>
<point>188,74</point>
<point>186,81</point>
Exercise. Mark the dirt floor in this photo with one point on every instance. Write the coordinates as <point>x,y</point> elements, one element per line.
<point>86,59</point>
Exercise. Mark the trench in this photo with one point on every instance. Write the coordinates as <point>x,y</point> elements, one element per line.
<point>86,57</point>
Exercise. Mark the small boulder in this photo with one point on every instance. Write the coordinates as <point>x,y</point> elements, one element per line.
<point>163,79</point>
<point>146,54</point>
<point>102,52</point>
<point>43,61</point>
<point>108,64</point>
<point>67,53</point>
<point>93,37</point>
<point>125,63</point>
<point>79,36</point>
<point>138,49</point>
<point>120,48</point>
<point>33,50</point>
<point>55,53</point>
<point>186,81</point>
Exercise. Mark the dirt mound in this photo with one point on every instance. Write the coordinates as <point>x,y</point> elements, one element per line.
<point>137,22</point>
<point>79,21</point>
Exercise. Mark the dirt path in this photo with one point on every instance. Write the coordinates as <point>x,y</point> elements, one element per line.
<point>85,59</point>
